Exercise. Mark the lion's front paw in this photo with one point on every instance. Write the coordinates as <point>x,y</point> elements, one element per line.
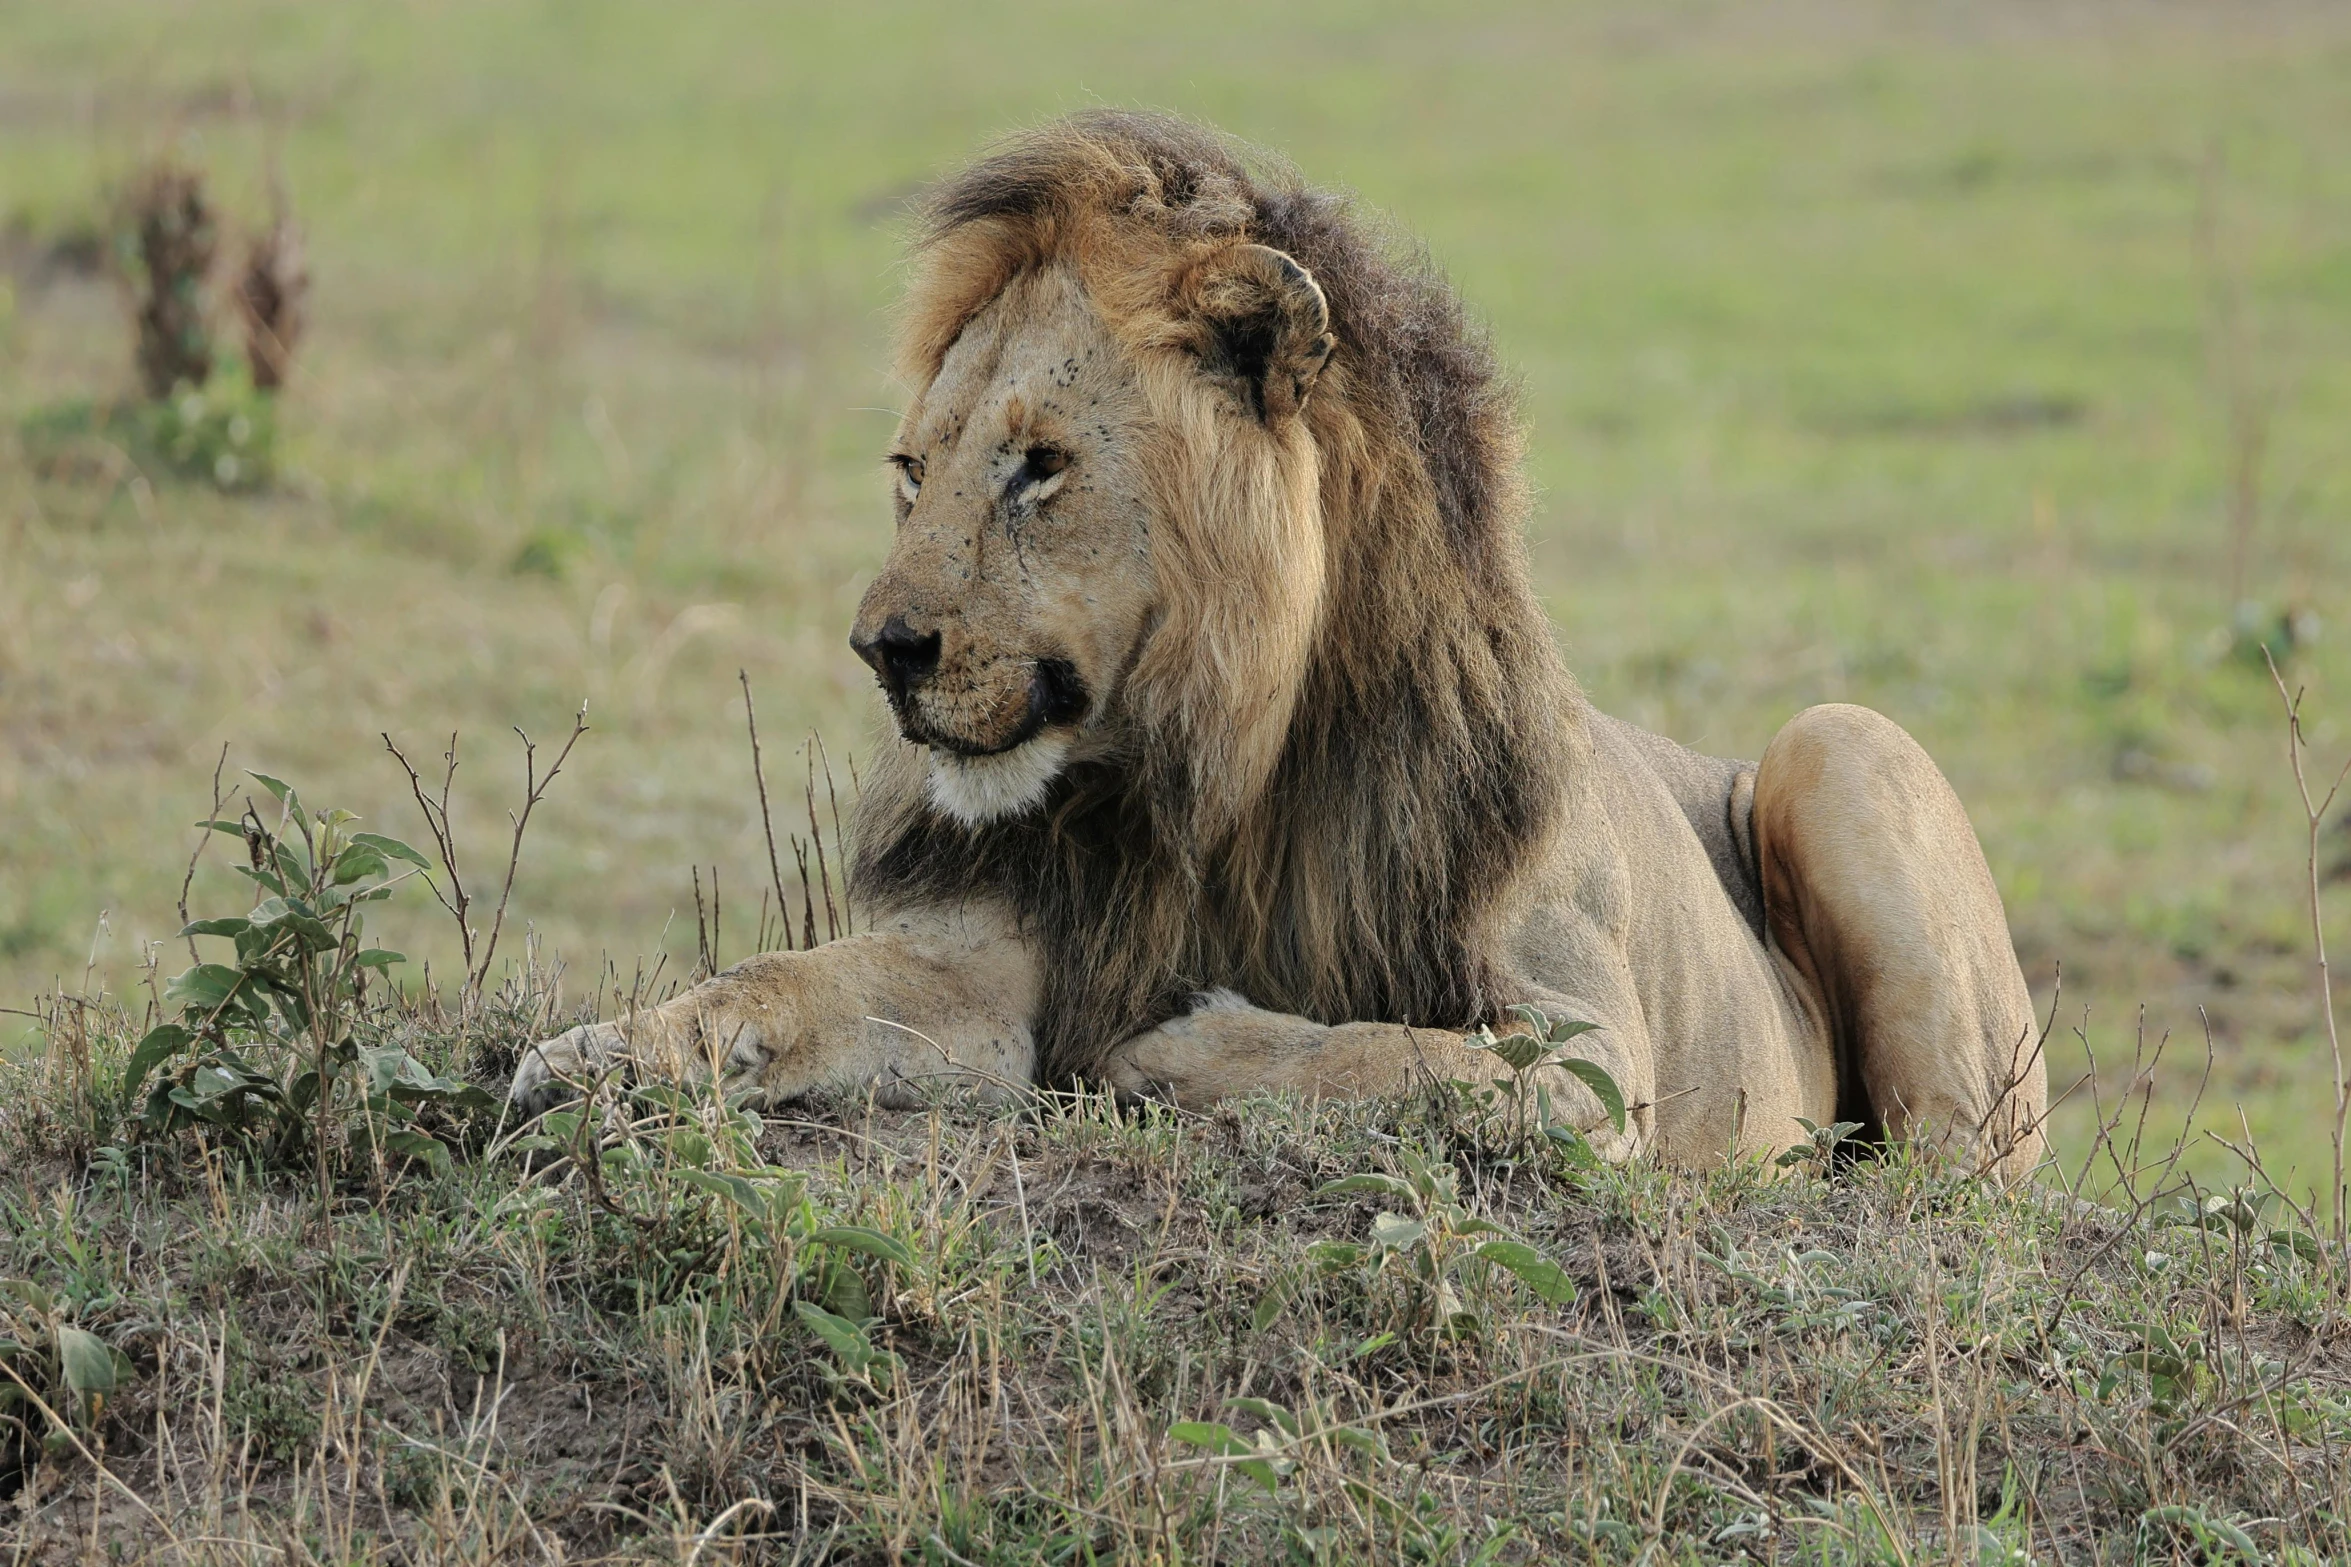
<point>1187,1060</point>
<point>557,1069</point>
<point>1135,1069</point>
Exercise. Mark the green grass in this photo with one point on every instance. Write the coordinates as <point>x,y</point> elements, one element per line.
<point>1864,358</point>
<point>1868,354</point>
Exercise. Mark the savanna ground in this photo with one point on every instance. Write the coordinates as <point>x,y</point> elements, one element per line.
<point>1909,357</point>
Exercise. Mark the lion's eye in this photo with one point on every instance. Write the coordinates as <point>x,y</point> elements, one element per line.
<point>1040,468</point>
<point>909,476</point>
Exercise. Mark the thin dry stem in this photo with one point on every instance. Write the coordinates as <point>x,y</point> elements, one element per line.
<point>2313,817</point>
<point>775,869</point>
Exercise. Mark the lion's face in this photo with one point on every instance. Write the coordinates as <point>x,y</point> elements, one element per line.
<point>1109,536</point>
<point>1019,587</point>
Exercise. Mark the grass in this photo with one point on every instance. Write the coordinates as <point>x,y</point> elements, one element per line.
<point>1869,354</point>
<point>668,1332</point>
<point>1866,357</point>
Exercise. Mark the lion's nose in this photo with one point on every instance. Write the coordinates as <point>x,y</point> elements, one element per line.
<point>901,655</point>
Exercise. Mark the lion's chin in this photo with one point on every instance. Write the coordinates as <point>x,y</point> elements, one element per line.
<point>978,789</point>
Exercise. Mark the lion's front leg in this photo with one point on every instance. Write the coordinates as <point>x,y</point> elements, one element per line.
<point>1224,1048</point>
<point>929,997</point>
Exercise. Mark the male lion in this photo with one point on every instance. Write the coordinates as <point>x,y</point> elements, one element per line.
<point>1236,753</point>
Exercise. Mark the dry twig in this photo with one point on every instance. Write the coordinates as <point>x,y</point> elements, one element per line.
<point>2313,816</point>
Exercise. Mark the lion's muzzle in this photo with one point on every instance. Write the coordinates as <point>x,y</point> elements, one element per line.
<point>964,706</point>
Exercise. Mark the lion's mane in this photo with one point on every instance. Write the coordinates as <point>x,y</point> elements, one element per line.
<point>1363,581</point>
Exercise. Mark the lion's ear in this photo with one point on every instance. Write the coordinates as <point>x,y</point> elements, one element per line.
<point>1265,327</point>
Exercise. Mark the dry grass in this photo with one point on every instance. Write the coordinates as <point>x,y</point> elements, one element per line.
<point>1878,1362</point>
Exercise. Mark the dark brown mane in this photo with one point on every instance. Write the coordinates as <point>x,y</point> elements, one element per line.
<point>1431,737</point>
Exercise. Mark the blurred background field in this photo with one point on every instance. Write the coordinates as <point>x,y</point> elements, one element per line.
<point>1906,355</point>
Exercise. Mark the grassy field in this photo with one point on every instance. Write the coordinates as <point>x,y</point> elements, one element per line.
<point>1866,357</point>
<point>1877,354</point>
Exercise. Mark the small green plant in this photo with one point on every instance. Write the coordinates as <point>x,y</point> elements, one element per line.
<point>271,1045</point>
<point>1272,1452</point>
<point>2173,1365</point>
<point>47,1358</point>
<point>1819,1147</point>
<point>852,1346</point>
<point>1539,1043</point>
<point>223,434</point>
<point>687,1179</point>
<point>1423,1252</point>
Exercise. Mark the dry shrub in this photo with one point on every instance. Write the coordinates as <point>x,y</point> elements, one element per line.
<point>172,235</point>
<point>270,295</point>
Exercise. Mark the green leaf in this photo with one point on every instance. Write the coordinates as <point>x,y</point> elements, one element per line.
<point>420,1146</point>
<point>1519,1052</point>
<point>1260,1470</point>
<point>2207,1529</point>
<point>161,1044</point>
<point>1215,1436</point>
<point>263,877</point>
<point>30,1293</point>
<point>2295,1243</point>
<point>1536,1271</point>
<point>1331,1256</point>
<point>846,1339</point>
<point>391,848</point>
<point>1273,1302</point>
<point>1268,1411</point>
<point>233,925</point>
<point>845,1292</point>
<point>731,1187</point>
<point>359,860</point>
<point>379,958</point>
<point>1386,1185</point>
<point>1395,1232</point>
<point>203,988</point>
<point>281,791</point>
<point>1225,1442</point>
<point>88,1363</point>
<point>1534,1018</point>
<point>873,1243</point>
<point>1595,1077</point>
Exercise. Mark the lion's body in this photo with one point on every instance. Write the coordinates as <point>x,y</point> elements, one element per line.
<point>1238,752</point>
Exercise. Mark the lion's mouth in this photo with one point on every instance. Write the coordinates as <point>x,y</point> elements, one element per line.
<point>1056,695</point>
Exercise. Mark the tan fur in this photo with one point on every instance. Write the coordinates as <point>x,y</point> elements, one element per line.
<point>1239,756</point>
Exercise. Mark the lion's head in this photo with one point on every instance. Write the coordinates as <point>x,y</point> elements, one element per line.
<point>1107,500</point>
<point>1206,623</point>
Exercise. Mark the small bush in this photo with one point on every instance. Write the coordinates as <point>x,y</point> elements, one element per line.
<point>276,1045</point>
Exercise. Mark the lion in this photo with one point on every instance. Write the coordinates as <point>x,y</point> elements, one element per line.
<point>1234,754</point>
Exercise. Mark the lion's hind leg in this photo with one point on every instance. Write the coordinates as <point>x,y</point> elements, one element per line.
<point>1876,891</point>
